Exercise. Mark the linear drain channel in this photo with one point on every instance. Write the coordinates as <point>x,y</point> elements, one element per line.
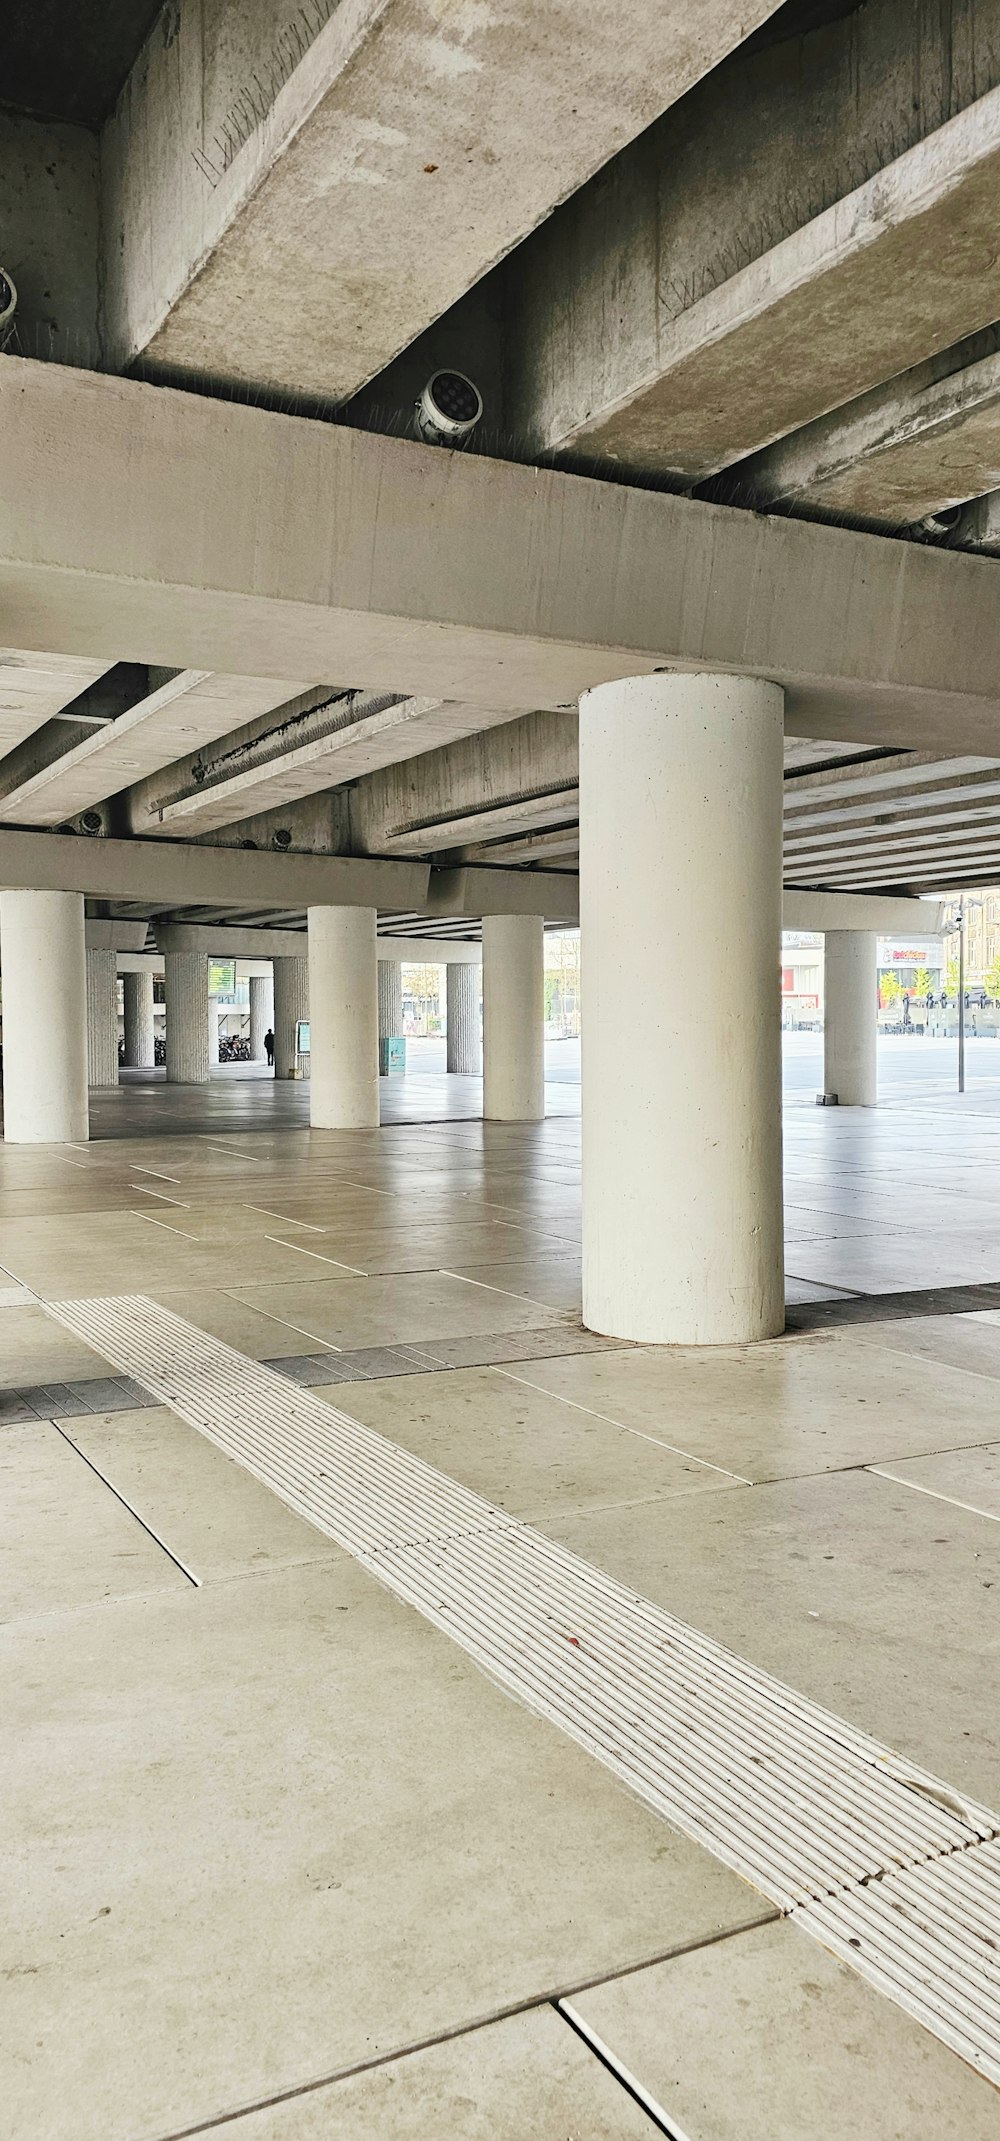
<point>879,1861</point>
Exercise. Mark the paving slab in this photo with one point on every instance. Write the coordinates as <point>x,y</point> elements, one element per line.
<point>792,1405</point>
<point>528,2078</point>
<point>66,1540</point>
<point>211,1513</point>
<point>765,2037</point>
<point>879,1603</point>
<point>279,1826</point>
<point>521,1449</point>
<point>415,1306</point>
<point>35,1349</point>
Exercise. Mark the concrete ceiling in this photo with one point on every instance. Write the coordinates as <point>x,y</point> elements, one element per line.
<point>747,253</point>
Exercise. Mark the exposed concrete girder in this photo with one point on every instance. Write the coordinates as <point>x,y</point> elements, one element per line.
<point>549,843</point>
<point>386,736</point>
<point>34,688</point>
<point>552,893</point>
<point>919,445</point>
<point>523,810</point>
<point>226,941</point>
<point>407,147</point>
<point>638,337</point>
<point>193,708</point>
<point>115,936</point>
<point>176,529</point>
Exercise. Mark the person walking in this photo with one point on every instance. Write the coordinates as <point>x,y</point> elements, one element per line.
<point>269,1048</point>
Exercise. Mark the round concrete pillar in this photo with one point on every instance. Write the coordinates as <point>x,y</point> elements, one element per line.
<point>44,964</point>
<point>185,976</point>
<point>261,1014</point>
<point>137,992</point>
<point>102,1017</point>
<point>291,1002</point>
<point>850,1019</point>
<point>680,918</point>
<point>212,1031</point>
<point>390,999</point>
<point>343,1016</point>
<point>465,1052</point>
<point>513,1018</point>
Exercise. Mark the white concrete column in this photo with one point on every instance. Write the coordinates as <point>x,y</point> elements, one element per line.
<point>43,954</point>
<point>291,1002</point>
<point>343,999</point>
<point>102,1017</point>
<point>186,991</point>
<point>680,919</point>
<point>464,1043</point>
<point>390,999</point>
<point>850,1019</point>
<point>513,1018</point>
<point>137,991</point>
<point>261,1014</point>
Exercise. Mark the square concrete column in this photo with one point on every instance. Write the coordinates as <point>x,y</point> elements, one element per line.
<point>850,1016</point>
<point>291,1003</point>
<point>43,955</point>
<point>102,1017</point>
<point>465,1051</point>
<point>680,844</point>
<point>513,1018</point>
<point>185,980</point>
<point>213,1031</point>
<point>137,992</point>
<point>343,1018</point>
<point>261,1014</point>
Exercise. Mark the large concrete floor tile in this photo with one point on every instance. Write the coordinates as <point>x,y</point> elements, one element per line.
<point>971,1478</point>
<point>394,1311</point>
<point>261,1336</point>
<point>528,2078</point>
<point>881,1604</point>
<point>34,1349</point>
<point>794,1405</point>
<point>280,1826</point>
<point>765,2037</point>
<point>968,1341</point>
<point>66,1539</point>
<point>214,1516</point>
<point>552,1279</point>
<point>520,1448</point>
<point>883,1263</point>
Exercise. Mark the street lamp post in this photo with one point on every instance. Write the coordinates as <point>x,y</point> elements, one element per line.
<point>960,918</point>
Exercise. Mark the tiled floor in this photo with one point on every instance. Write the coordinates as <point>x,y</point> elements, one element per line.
<point>281,1863</point>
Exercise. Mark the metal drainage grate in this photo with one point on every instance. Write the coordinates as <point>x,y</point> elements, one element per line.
<point>881,1862</point>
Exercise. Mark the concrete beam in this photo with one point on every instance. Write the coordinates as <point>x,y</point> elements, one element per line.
<point>51,228</point>
<point>813,220</point>
<point>851,910</point>
<point>407,147</point>
<point>171,528</point>
<point>223,941</point>
<point>175,874</point>
<point>921,444</point>
<point>115,936</point>
<point>552,893</point>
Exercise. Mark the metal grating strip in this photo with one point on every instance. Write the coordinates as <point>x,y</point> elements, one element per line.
<point>881,1862</point>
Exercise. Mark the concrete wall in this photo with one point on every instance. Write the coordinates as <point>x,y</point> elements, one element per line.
<point>49,241</point>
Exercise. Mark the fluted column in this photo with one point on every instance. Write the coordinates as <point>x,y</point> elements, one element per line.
<point>261,1014</point>
<point>102,1017</point>
<point>390,999</point>
<point>140,1052</point>
<point>291,1002</point>
<point>186,991</point>
<point>465,1052</point>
